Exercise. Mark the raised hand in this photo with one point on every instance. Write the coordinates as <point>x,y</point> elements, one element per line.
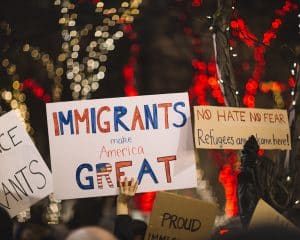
<point>127,190</point>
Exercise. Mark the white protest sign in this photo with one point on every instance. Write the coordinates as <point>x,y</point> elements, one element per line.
<point>230,127</point>
<point>96,143</point>
<point>25,178</point>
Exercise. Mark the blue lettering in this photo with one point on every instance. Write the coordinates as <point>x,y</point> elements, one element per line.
<point>151,118</point>
<point>146,169</point>
<point>93,120</point>
<point>65,121</point>
<point>119,112</point>
<point>181,113</point>
<point>89,179</point>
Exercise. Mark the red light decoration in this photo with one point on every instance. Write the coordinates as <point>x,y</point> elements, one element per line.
<point>241,31</point>
<point>261,152</point>
<point>292,82</point>
<point>143,201</point>
<point>229,180</point>
<point>196,3</point>
<point>227,162</point>
<point>36,89</point>
<point>129,68</point>
<point>205,79</point>
<point>223,231</point>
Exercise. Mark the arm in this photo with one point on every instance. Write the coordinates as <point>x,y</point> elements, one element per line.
<point>123,222</point>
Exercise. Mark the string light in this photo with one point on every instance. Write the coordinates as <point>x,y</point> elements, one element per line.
<point>15,98</point>
<point>293,84</point>
<point>241,31</point>
<point>86,74</point>
<point>54,71</point>
<point>299,22</point>
<point>276,88</point>
<point>204,81</point>
<point>129,68</point>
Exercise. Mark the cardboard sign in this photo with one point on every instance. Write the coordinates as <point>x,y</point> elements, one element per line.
<point>264,214</point>
<point>25,178</point>
<point>175,217</point>
<point>229,127</point>
<point>96,143</point>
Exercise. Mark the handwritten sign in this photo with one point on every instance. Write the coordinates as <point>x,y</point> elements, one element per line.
<point>96,143</point>
<point>229,127</point>
<point>25,178</point>
<point>184,219</point>
<point>264,215</point>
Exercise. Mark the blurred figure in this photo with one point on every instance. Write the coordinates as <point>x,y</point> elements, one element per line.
<point>248,186</point>
<point>6,225</point>
<point>139,228</point>
<point>259,178</point>
<point>87,212</point>
<point>33,231</point>
<point>125,227</point>
<point>90,233</point>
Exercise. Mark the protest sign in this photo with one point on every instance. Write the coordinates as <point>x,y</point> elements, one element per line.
<point>25,178</point>
<point>96,143</point>
<point>184,219</point>
<point>229,127</point>
<point>265,215</point>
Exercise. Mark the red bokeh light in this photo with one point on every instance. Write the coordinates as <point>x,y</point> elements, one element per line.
<point>36,89</point>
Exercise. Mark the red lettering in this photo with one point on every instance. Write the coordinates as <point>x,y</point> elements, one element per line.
<point>137,118</point>
<point>106,123</point>
<point>120,173</point>
<point>166,106</point>
<point>55,121</point>
<point>78,118</point>
<point>167,160</point>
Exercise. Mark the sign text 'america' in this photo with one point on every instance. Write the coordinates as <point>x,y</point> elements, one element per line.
<point>94,144</point>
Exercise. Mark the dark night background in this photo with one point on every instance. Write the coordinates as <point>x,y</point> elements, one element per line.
<point>169,35</point>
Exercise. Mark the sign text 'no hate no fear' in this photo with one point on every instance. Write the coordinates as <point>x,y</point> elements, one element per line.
<point>229,127</point>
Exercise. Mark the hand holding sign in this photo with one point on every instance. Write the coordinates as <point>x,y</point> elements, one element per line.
<point>94,144</point>
<point>127,191</point>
